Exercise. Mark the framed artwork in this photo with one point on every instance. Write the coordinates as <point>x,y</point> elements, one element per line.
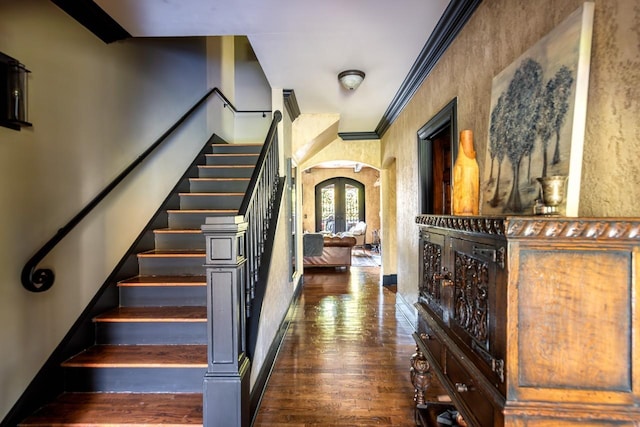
<point>537,120</point>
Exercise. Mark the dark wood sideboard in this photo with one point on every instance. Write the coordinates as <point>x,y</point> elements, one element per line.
<point>530,321</point>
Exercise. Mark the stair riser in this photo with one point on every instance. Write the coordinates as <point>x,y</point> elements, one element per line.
<point>189,220</point>
<point>210,202</point>
<point>172,241</point>
<point>218,186</point>
<point>168,266</point>
<point>151,333</point>
<point>156,380</point>
<point>156,296</point>
<point>213,159</point>
<point>224,172</point>
<point>236,148</point>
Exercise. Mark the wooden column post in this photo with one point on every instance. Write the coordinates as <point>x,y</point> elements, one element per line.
<point>226,382</point>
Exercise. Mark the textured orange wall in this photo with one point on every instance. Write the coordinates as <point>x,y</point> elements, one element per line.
<point>497,34</point>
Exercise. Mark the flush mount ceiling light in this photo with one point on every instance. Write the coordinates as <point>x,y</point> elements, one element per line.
<point>351,79</point>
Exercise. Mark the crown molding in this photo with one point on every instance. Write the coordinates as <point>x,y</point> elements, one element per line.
<point>452,21</point>
<point>93,18</point>
<point>291,103</point>
<point>357,136</point>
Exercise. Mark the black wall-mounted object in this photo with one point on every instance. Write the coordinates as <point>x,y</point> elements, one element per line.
<point>13,93</point>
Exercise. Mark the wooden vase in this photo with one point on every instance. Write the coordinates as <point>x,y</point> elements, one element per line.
<point>466,177</point>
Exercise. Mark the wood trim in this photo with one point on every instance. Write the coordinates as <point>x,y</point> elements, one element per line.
<point>291,103</point>
<point>260,385</point>
<point>479,224</point>
<point>93,18</point>
<point>533,227</point>
<point>452,21</point>
<point>601,229</point>
<point>358,136</point>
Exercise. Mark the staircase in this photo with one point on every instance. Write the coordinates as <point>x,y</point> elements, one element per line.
<point>150,354</point>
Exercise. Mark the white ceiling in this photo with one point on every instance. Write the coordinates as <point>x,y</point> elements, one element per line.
<point>303,45</point>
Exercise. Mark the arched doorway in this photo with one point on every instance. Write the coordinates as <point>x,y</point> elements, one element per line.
<point>340,204</point>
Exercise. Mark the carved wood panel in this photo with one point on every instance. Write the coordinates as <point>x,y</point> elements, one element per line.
<point>431,265</point>
<point>472,297</point>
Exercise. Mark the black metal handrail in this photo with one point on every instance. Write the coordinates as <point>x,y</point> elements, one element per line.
<point>260,164</point>
<point>233,108</point>
<point>40,280</point>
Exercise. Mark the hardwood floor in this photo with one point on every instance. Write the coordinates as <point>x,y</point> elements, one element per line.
<point>345,357</point>
<point>344,362</point>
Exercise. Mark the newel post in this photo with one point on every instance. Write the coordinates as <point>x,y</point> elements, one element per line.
<point>226,382</point>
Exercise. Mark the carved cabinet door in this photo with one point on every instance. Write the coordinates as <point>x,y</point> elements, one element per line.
<point>433,265</point>
<point>478,306</point>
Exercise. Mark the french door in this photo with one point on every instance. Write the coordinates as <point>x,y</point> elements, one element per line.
<point>339,204</point>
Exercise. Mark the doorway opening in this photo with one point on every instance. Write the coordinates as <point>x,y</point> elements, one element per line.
<point>437,153</point>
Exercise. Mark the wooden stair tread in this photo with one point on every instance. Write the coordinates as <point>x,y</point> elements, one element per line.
<point>235,193</point>
<point>232,154</point>
<point>178,230</point>
<point>173,253</point>
<point>212,211</point>
<point>140,356</point>
<point>126,409</point>
<point>238,144</point>
<point>164,281</point>
<point>154,314</point>
<point>219,179</point>
<point>226,166</point>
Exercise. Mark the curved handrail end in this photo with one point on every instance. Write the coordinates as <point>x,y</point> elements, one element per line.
<point>38,280</point>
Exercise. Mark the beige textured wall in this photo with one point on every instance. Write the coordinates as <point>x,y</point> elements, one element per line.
<point>499,32</point>
<point>281,285</point>
<point>367,176</point>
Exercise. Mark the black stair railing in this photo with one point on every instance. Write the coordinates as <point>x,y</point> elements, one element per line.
<point>41,279</point>
<point>257,207</point>
<point>234,299</point>
<point>228,103</point>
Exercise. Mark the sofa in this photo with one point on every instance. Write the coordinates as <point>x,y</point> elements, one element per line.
<point>327,250</point>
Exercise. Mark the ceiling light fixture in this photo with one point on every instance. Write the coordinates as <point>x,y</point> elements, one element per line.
<point>351,79</point>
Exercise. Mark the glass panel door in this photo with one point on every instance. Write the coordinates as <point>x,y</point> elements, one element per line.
<point>339,204</point>
<point>352,206</point>
<point>328,208</point>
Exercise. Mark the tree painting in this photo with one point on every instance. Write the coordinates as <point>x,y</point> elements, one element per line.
<point>536,120</point>
<point>555,104</point>
<point>497,144</point>
<point>522,110</point>
<point>562,82</point>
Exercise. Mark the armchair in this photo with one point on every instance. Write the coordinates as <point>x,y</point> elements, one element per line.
<point>359,231</point>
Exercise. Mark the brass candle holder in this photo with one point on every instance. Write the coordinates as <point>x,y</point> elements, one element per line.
<point>554,195</point>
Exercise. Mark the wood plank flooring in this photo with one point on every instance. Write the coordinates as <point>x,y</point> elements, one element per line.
<point>344,362</point>
<point>123,409</point>
<point>345,357</point>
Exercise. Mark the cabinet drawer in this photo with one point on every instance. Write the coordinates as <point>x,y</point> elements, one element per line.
<point>430,341</point>
<point>468,392</point>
